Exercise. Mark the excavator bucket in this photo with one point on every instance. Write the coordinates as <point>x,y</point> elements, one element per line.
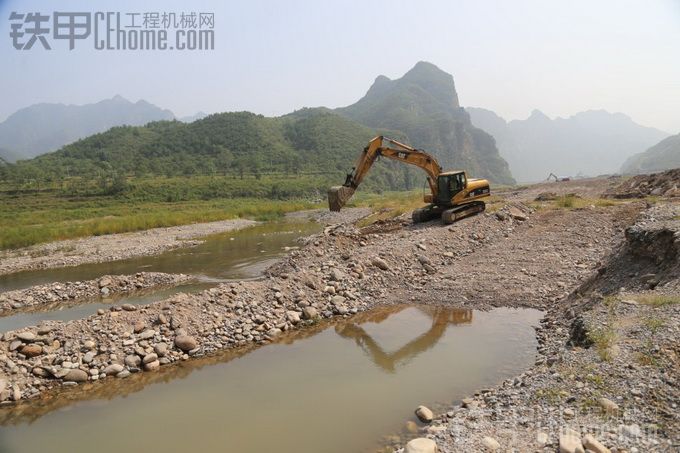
<point>338,196</point>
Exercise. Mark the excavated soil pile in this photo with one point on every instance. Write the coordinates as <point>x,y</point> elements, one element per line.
<point>659,184</point>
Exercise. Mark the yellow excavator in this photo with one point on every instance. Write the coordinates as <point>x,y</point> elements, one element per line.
<point>453,195</point>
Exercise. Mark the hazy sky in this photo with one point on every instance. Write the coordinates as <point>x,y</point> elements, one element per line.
<point>272,57</point>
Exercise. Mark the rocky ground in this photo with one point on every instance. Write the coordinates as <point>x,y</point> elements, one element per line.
<point>112,247</point>
<point>605,275</point>
<point>108,285</point>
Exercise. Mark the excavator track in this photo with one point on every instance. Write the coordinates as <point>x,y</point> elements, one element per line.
<point>460,212</point>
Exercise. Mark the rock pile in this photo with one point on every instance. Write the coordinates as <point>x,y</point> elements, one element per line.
<point>105,286</point>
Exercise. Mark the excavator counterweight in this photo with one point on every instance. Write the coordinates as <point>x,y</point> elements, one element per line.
<point>453,195</point>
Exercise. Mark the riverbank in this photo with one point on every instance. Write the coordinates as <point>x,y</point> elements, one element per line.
<point>112,247</point>
<point>549,257</point>
<point>79,292</point>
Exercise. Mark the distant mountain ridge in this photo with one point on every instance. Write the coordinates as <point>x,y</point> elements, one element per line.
<point>41,128</point>
<point>665,155</point>
<point>587,143</point>
<point>423,104</point>
<point>420,108</point>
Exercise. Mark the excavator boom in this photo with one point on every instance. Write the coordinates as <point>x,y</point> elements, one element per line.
<point>391,149</point>
<point>453,195</point>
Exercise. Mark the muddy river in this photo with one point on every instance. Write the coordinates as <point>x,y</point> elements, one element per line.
<point>335,387</point>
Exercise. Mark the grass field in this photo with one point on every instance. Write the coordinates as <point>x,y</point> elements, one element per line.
<point>80,209</point>
<point>33,219</point>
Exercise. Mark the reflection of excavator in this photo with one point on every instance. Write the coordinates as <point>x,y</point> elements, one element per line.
<point>453,196</point>
<point>441,318</point>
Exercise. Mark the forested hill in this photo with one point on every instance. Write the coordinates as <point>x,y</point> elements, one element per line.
<point>309,141</point>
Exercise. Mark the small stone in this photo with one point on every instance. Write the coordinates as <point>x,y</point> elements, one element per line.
<point>337,275</point>
<point>114,368</point>
<point>105,291</point>
<point>186,343</point>
<point>570,442</point>
<point>592,444</point>
<point>273,332</point>
<point>32,350</point>
<point>309,313</point>
<point>424,414</point>
<point>631,430</point>
<point>138,327</point>
<point>89,357</point>
<point>411,427</point>
<point>161,349</point>
<point>128,307</point>
<point>569,412</point>
<point>490,443</point>
<point>147,334</point>
<point>421,445</point>
<point>542,439</point>
<point>293,317</point>
<point>16,393</point>
<point>133,361</point>
<point>608,406</point>
<point>105,281</point>
<point>380,263</point>
<point>75,375</point>
<point>150,358</point>
<point>26,336</point>
<point>152,366</point>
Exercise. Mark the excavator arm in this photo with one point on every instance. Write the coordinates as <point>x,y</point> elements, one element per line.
<point>392,149</point>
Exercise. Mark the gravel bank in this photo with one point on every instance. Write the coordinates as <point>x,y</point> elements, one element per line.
<point>337,273</point>
<point>587,268</point>
<point>112,247</point>
<point>105,286</point>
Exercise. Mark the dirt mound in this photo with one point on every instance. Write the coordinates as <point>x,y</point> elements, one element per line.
<point>648,258</point>
<point>659,184</point>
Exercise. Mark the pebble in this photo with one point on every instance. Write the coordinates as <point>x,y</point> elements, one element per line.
<point>32,350</point>
<point>310,313</point>
<point>186,343</point>
<point>75,375</point>
<point>421,445</point>
<point>490,443</point>
<point>570,442</point>
<point>26,336</point>
<point>593,445</point>
<point>424,414</point>
<point>609,406</point>
<point>114,368</point>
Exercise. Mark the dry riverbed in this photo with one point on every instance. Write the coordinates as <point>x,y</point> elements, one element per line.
<point>593,270</point>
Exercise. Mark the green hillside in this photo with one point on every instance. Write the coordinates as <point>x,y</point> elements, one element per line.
<point>665,155</point>
<point>308,142</point>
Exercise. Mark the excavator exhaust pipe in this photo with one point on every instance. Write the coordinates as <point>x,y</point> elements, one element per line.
<point>338,196</point>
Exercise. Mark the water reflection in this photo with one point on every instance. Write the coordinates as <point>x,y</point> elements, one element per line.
<point>441,319</point>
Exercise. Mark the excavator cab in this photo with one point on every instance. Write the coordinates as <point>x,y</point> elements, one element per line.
<point>448,185</point>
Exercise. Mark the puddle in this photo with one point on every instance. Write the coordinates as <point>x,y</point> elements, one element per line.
<point>331,388</point>
<point>233,255</point>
